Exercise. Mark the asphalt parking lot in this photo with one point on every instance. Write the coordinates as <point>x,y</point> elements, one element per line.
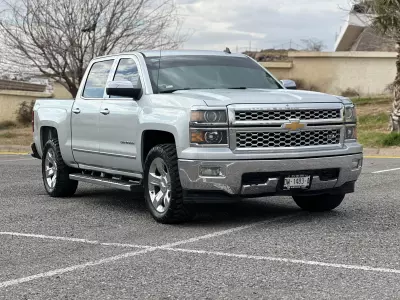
<point>102,244</point>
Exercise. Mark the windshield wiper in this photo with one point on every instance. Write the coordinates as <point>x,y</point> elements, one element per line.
<point>238,88</point>
<point>184,89</point>
<point>174,90</point>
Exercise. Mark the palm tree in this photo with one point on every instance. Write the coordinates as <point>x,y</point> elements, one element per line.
<point>385,19</point>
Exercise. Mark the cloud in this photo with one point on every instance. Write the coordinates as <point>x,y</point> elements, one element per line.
<point>265,23</point>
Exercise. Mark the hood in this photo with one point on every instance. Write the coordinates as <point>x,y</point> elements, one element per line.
<point>257,96</point>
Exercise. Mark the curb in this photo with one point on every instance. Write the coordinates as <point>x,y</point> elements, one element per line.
<point>14,150</point>
<point>393,152</point>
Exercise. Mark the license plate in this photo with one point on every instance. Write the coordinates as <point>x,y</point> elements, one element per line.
<point>297,182</point>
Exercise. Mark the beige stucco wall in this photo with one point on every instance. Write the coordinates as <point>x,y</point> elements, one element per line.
<point>61,92</point>
<point>279,69</point>
<point>333,72</point>
<point>10,101</point>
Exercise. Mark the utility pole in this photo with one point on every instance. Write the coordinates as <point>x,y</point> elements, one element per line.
<point>250,46</point>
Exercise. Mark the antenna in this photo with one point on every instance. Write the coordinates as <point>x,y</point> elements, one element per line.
<point>159,67</point>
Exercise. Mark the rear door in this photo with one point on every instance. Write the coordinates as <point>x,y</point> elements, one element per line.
<point>86,113</point>
<point>119,121</point>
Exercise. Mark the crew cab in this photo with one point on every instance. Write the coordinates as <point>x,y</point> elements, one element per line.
<point>197,126</point>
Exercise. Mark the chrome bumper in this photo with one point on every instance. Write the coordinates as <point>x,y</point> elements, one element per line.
<point>230,180</point>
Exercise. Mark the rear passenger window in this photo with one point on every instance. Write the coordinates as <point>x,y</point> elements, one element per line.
<point>97,79</point>
<point>127,70</point>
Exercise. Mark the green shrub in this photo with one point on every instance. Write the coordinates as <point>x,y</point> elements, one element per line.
<point>392,139</point>
<point>350,92</point>
<point>24,112</point>
<point>303,85</point>
<point>7,125</point>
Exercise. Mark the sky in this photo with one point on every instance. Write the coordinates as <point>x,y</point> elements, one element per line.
<point>216,24</point>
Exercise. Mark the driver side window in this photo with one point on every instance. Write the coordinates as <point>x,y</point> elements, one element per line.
<point>127,70</point>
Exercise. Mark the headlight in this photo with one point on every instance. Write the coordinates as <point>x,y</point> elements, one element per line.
<point>209,136</point>
<point>209,117</point>
<point>350,114</point>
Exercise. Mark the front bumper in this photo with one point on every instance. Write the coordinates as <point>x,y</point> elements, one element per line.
<point>273,171</point>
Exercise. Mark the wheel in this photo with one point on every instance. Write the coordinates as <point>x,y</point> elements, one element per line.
<point>163,190</point>
<point>55,172</point>
<point>318,203</point>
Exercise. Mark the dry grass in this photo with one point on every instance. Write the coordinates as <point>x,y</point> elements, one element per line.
<point>373,122</point>
<point>19,136</point>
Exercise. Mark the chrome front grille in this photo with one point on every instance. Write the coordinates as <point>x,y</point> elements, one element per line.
<point>284,115</point>
<point>284,139</point>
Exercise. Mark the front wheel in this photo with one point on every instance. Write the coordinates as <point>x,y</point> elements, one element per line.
<point>318,203</point>
<point>56,173</point>
<point>163,190</point>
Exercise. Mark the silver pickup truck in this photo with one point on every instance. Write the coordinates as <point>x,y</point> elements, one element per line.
<point>197,126</point>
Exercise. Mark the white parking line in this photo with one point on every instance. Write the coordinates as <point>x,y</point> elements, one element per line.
<point>9,283</point>
<point>13,282</point>
<point>286,260</point>
<point>60,238</point>
<point>384,171</point>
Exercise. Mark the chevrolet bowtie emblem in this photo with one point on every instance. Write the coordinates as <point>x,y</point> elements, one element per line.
<point>294,125</point>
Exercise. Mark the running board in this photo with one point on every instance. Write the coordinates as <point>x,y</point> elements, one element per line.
<point>112,183</point>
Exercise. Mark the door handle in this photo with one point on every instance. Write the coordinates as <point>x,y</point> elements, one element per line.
<point>76,111</point>
<point>105,111</point>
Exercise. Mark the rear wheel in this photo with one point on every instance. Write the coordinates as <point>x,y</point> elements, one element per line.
<point>319,203</point>
<point>55,172</point>
<point>163,190</point>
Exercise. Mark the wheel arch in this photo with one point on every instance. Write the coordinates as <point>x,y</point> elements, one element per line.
<point>47,133</point>
<point>152,138</point>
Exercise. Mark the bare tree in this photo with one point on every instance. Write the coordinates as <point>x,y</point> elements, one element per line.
<point>313,45</point>
<point>384,17</point>
<point>58,38</point>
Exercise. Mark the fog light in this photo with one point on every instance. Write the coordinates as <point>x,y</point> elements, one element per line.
<point>351,133</point>
<point>213,137</point>
<point>356,163</point>
<point>210,171</point>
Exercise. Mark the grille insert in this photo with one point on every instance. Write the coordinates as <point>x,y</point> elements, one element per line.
<point>284,139</point>
<point>283,115</point>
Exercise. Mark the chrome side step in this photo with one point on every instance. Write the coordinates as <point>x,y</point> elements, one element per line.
<point>112,183</point>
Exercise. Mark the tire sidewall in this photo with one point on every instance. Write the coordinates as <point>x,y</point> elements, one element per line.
<point>64,187</point>
<point>159,152</point>
<point>49,145</point>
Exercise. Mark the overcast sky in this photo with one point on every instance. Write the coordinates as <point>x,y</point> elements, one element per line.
<point>216,24</point>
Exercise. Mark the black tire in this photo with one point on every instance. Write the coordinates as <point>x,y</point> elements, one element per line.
<point>63,186</point>
<point>318,203</point>
<point>176,212</point>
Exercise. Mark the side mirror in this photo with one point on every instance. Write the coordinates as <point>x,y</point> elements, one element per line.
<point>289,84</point>
<point>123,89</point>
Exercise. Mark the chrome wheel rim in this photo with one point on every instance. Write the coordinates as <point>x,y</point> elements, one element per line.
<point>50,166</point>
<point>159,183</point>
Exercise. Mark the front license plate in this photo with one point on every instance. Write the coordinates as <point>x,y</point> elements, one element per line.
<point>297,182</point>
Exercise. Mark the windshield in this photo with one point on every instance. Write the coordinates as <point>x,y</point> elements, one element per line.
<point>207,72</point>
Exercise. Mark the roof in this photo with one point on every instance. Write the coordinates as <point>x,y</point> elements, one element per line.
<point>156,53</point>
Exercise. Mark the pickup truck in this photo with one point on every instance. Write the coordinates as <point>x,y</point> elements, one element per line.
<point>197,126</point>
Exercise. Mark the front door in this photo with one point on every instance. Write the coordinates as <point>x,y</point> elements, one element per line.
<point>86,115</point>
<point>119,123</point>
